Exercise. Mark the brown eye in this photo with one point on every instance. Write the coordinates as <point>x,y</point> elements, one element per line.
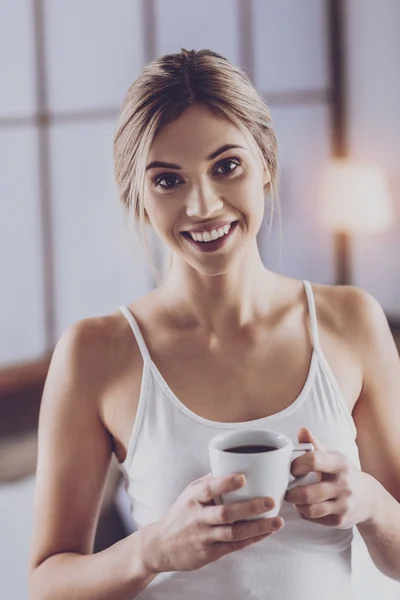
<point>167,181</point>
<point>227,166</point>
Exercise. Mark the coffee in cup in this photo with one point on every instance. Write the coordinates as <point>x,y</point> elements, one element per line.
<point>251,449</point>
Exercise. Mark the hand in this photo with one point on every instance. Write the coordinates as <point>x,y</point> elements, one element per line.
<point>196,532</point>
<point>344,496</point>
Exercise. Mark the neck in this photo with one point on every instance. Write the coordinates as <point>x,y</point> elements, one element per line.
<point>220,303</point>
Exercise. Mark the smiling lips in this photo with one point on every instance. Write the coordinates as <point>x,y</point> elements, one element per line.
<point>214,239</point>
<point>209,232</point>
<point>208,236</point>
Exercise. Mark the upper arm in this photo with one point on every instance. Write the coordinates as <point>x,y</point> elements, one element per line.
<point>377,410</point>
<point>74,448</point>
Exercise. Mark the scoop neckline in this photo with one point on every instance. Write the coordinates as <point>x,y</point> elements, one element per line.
<point>239,424</point>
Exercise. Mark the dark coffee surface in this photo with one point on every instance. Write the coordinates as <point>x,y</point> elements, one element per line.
<point>251,449</point>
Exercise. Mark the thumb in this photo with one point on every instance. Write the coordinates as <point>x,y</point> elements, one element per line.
<point>305,435</point>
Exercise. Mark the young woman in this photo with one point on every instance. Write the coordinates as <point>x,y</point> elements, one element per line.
<point>221,344</point>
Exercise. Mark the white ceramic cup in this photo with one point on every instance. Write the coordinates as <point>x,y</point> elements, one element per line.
<point>267,473</point>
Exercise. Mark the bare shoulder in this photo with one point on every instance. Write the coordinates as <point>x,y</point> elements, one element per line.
<point>89,349</point>
<point>93,356</point>
<point>353,312</point>
<point>359,319</point>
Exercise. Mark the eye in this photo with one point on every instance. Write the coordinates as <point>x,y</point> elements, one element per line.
<point>227,166</point>
<point>170,181</point>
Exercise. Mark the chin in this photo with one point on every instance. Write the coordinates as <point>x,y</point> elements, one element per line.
<point>215,266</point>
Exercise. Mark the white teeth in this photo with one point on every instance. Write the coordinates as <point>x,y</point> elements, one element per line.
<point>208,236</point>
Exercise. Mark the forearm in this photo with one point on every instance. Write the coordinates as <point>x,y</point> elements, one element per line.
<point>117,573</point>
<point>381,533</point>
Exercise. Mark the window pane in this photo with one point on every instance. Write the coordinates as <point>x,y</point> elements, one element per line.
<point>196,25</point>
<point>290,45</point>
<point>93,51</point>
<point>96,267</point>
<point>22,304</point>
<point>17,96</point>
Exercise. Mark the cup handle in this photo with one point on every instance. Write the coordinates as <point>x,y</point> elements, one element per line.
<point>303,479</point>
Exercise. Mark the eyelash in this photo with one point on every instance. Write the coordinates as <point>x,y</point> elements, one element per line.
<point>163,176</point>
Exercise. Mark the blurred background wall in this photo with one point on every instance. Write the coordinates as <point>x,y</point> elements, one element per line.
<point>65,252</point>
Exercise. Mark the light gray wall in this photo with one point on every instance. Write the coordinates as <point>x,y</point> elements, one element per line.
<point>93,51</point>
<point>16,519</point>
<point>374,132</point>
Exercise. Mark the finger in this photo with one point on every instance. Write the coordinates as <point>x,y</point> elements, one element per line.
<point>306,435</point>
<point>220,549</point>
<point>237,511</point>
<point>199,480</point>
<point>323,461</point>
<point>329,520</point>
<point>243,530</point>
<point>329,512</point>
<point>211,487</point>
<point>313,493</point>
<point>316,511</point>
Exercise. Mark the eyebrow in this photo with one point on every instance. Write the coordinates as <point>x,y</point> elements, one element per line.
<point>165,165</point>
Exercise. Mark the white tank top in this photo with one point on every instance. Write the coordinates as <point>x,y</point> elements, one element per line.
<point>168,449</point>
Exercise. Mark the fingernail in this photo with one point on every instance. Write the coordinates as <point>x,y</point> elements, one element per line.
<point>268,503</point>
<point>275,523</point>
<point>239,480</point>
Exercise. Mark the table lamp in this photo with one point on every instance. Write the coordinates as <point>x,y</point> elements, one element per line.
<point>355,199</point>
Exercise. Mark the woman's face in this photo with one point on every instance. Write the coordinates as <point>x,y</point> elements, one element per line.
<point>204,178</point>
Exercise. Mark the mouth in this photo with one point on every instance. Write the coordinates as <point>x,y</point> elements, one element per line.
<point>212,245</point>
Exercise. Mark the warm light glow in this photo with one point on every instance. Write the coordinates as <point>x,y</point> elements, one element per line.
<point>355,198</point>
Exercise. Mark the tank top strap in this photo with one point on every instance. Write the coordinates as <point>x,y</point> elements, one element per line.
<point>136,332</point>
<point>312,312</point>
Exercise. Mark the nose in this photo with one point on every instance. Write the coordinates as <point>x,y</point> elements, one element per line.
<point>203,202</point>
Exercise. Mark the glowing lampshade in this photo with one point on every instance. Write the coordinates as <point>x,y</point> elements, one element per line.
<point>355,198</point>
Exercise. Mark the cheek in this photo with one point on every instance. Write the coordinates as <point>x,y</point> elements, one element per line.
<point>252,202</point>
<point>161,214</point>
<point>152,206</point>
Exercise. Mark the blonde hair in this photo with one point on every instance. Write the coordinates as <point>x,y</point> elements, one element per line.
<point>163,90</point>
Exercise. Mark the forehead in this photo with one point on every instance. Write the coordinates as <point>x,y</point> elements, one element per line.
<point>194,135</point>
